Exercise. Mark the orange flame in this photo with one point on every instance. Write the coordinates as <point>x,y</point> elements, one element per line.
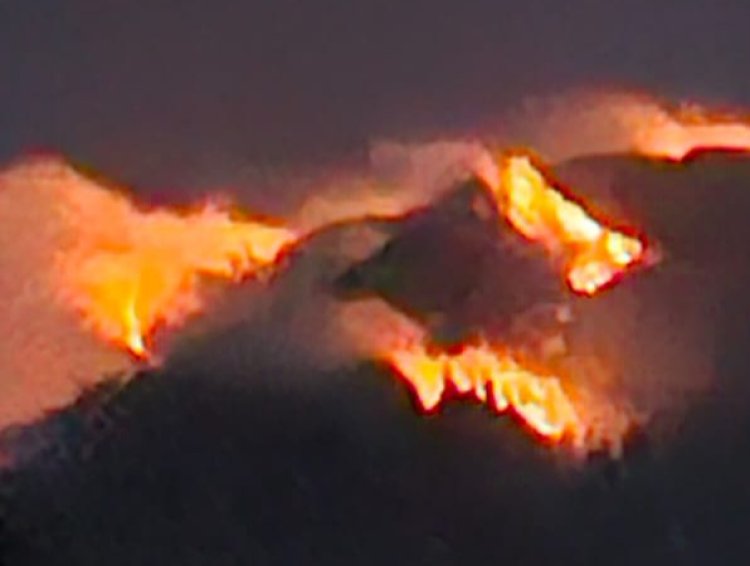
<point>539,401</point>
<point>128,270</point>
<point>588,122</point>
<point>594,254</point>
<point>659,133</point>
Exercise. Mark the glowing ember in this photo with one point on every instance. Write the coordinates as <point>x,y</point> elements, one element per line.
<point>127,271</point>
<point>594,255</point>
<point>486,373</point>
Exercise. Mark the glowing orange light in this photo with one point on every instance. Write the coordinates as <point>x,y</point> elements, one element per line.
<point>673,135</point>
<point>486,373</point>
<point>594,254</point>
<point>128,270</point>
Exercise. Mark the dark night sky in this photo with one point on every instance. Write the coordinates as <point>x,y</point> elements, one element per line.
<point>149,93</point>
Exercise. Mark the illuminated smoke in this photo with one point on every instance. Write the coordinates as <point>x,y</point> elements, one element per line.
<point>86,277</point>
<point>46,356</point>
<point>90,278</point>
<point>127,271</point>
<point>402,177</point>
<point>584,123</point>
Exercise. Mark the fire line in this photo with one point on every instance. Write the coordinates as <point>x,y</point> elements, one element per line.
<point>490,376</point>
<point>593,254</point>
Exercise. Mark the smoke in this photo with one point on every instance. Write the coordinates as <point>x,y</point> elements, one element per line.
<point>46,356</point>
<point>292,320</point>
<point>65,235</point>
<point>292,317</point>
<point>402,177</point>
<point>87,277</point>
<point>590,122</point>
<point>283,312</point>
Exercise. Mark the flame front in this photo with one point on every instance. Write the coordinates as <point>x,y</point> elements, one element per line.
<point>655,130</point>
<point>673,135</point>
<point>598,122</point>
<point>128,271</point>
<point>490,375</point>
<point>594,255</point>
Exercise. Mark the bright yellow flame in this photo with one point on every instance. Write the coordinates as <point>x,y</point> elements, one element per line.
<point>133,334</point>
<point>128,271</point>
<point>538,400</point>
<point>594,254</point>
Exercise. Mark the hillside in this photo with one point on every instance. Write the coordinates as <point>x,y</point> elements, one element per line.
<point>220,460</point>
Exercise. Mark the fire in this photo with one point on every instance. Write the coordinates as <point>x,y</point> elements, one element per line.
<point>127,271</point>
<point>486,373</point>
<point>594,255</point>
<point>673,135</point>
<point>587,122</point>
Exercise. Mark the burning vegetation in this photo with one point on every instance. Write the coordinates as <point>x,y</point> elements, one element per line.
<point>593,255</point>
<point>676,134</point>
<point>595,122</point>
<point>125,272</point>
<point>128,271</point>
<point>491,375</point>
<point>543,397</point>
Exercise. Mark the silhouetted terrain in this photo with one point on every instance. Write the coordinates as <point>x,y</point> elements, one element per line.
<point>334,467</point>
